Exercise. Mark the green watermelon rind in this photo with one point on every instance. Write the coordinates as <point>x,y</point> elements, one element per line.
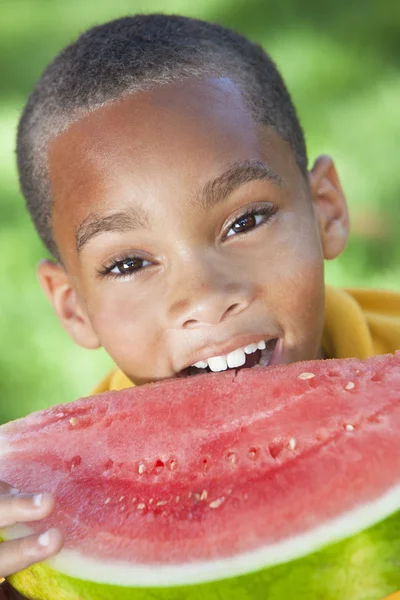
<point>365,566</point>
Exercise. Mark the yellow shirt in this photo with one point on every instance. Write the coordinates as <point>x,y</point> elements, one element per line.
<point>358,323</point>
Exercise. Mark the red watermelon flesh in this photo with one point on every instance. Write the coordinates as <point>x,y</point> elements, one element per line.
<point>213,465</point>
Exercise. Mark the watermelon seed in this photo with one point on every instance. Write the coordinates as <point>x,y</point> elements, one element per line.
<point>349,427</point>
<point>107,500</point>
<point>162,503</point>
<point>60,415</point>
<point>159,466</point>
<point>292,444</point>
<point>203,495</point>
<point>73,421</point>
<point>232,458</point>
<point>196,497</point>
<point>141,506</point>
<point>377,377</point>
<point>133,500</point>
<point>172,465</point>
<point>177,499</point>
<point>141,468</point>
<point>275,448</point>
<point>121,498</point>
<point>216,503</point>
<point>306,376</point>
<point>75,462</point>
<point>349,386</point>
<point>151,501</point>
<point>253,453</point>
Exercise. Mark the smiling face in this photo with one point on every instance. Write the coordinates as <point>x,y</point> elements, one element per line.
<point>187,231</point>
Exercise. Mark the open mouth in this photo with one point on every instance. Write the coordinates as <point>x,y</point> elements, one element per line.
<point>254,355</point>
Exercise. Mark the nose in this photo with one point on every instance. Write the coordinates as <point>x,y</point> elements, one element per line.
<point>206,293</point>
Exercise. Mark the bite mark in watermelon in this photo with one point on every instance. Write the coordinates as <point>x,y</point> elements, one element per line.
<point>267,483</point>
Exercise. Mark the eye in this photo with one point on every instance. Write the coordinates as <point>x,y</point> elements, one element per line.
<point>251,220</point>
<point>125,266</point>
<point>129,265</point>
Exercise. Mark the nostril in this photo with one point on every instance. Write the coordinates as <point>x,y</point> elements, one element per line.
<point>190,323</point>
<point>233,309</point>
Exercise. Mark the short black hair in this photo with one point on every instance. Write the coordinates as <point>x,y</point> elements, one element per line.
<point>134,53</point>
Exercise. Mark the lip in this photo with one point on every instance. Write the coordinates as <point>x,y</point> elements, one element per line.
<point>277,353</point>
<point>233,344</point>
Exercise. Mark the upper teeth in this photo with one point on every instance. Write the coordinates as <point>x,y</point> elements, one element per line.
<point>236,358</point>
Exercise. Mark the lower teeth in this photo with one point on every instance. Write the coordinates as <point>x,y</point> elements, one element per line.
<point>266,354</point>
<point>264,361</point>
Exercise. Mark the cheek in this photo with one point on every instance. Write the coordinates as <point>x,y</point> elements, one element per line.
<point>120,317</point>
<point>294,283</point>
<point>303,297</point>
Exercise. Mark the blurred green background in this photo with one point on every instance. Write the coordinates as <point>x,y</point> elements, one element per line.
<point>341,63</point>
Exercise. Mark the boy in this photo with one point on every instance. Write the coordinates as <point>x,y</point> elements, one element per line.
<point>165,169</point>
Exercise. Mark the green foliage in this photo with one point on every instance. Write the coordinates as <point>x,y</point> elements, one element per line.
<point>340,61</point>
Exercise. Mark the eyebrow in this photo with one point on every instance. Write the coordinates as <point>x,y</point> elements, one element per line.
<point>118,221</point>
<point>212,193</point>
<point>237,175</point>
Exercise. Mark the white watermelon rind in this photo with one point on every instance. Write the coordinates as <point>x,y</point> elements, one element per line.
<point>365,566</point>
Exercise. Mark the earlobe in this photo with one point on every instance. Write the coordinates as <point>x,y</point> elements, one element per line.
<point>58,289</point>
<point>330,206</point>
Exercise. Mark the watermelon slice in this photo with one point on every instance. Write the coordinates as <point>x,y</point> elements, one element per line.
<point>273,483</point>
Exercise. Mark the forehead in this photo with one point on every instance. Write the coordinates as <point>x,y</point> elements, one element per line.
<point>162,143</point>
<point>152,129</point>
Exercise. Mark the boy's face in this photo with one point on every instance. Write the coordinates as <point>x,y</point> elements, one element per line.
<point>187,231</point>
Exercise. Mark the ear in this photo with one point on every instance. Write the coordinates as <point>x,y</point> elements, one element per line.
<point>57,287</point>
<point>330,206</point>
